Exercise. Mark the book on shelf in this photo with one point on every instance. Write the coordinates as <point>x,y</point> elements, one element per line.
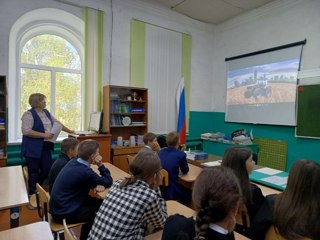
<point>137,110</point>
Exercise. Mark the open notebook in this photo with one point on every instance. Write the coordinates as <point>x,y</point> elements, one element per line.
<point>94,124</point>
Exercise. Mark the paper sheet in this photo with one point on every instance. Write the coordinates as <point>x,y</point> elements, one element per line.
<point>212,164</point>
<point>56,129</point>
<point>276,180</point>
<point>269,171</point>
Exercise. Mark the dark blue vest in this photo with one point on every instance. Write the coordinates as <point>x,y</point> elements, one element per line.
<point>32,147</point>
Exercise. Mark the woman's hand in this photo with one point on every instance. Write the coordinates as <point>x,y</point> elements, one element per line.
<point>48,135</point>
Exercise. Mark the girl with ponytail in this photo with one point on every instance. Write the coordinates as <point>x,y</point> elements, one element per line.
<point>216,196</point>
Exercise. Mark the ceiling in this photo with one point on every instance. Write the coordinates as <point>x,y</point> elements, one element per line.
<point>212,11</point>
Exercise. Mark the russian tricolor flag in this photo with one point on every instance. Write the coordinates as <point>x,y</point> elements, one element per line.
<point>181,107</point>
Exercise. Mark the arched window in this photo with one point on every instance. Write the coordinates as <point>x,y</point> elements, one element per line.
<point>46,55</point>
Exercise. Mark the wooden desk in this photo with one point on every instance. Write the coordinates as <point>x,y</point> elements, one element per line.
<point>119,156</point>
<point>116,173</point>
<point>188,179</point>
<point>13,189</point>
<point>174,207</point>
<point>33,231</point>
<point>104,141</point>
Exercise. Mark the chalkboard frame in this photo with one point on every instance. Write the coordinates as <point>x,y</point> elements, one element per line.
<point>308,111</point>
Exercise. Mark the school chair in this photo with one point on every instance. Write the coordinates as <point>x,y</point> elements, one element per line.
<point>165,183</point>
<point>272,234</point>
<point>32,199</point>
<point>67,233</point>
<point>43,198</point>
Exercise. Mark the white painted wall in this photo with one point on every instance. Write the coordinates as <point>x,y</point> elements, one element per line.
<point>121,14</point>
<point>202,39</point>
<point>275,24</point>
<point>278,23</point>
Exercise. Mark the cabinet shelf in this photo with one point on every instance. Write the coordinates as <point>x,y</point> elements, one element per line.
<point>129,126</point>
<point>117,106</point>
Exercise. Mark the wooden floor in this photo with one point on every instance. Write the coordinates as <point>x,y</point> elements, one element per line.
<point>26,216</point>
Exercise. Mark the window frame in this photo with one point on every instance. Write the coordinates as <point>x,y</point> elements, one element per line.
<point>37,22</point>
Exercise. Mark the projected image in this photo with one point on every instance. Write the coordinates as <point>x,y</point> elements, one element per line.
<point>269,83</point>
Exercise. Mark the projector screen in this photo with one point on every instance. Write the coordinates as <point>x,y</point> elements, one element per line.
<point>261,86</point>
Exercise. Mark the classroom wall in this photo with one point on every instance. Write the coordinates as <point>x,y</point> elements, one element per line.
<point>298,148</point>
<point>278,23</point>
<point>202,45</point>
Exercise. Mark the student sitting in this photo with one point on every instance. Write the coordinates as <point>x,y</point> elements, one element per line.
<point>132,204</point>
<point>68,151</point>
<point>174,160</point>
<point>151,143</point>
<point>69,196</point>
<point>216,196</point>
<point>239,159</point>
<point>295,212</point>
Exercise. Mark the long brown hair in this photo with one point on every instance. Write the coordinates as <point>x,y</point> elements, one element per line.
<point>215,193</point>
<point>235,158</point>
<point>297,209</point>
<point>143,167</point>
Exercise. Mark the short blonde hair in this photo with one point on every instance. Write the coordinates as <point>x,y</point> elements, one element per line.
<point>172,139</point>
<point>35,99</point>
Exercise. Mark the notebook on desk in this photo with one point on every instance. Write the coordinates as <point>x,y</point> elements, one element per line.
<point>95,124</point>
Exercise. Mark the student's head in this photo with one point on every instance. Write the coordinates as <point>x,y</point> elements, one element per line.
<point>216,196</point>
<point>69,147</point>
<point>297,209</point>
<point>87,149</point>
<point>37,100</point>
<point>239,159</point>
<point>144,166</point>
<point>173,139</point>
<point>149,138</point>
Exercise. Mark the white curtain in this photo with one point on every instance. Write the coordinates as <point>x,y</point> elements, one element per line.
<point>163,53</point>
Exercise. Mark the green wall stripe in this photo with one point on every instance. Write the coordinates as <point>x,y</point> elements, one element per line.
<point>186,70</point>
<point>137,53</point>
<point>100,17</point>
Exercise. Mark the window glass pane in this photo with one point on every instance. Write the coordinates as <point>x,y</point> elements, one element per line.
<point>33,81</point>
<point>50,50</point>
<point>68,99</point>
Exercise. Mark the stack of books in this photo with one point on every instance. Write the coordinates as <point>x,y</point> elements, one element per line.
<point>197,155</point>
<point>212,136</point>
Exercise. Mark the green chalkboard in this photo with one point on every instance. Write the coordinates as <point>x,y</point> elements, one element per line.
<point>308,111</point>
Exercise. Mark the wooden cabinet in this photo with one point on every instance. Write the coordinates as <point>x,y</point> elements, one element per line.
<point>102,139</point>
<point>119,156</point>
<point>3,121</point>
<point>125,111</point>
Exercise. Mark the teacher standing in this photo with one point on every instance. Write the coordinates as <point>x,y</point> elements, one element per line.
<point>36,146</point>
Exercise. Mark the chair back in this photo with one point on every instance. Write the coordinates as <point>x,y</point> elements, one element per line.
<point>67,233</point>
<point>272,234</point>
<point>42,202</point>
<point>165,183</point>
<point>242,217</point>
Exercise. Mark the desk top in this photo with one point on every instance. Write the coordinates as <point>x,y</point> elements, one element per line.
<point>116,173</point>
<point>270,177</point>
<point>13,189</point>
<point>33,231</point>
<point>192,175</point>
